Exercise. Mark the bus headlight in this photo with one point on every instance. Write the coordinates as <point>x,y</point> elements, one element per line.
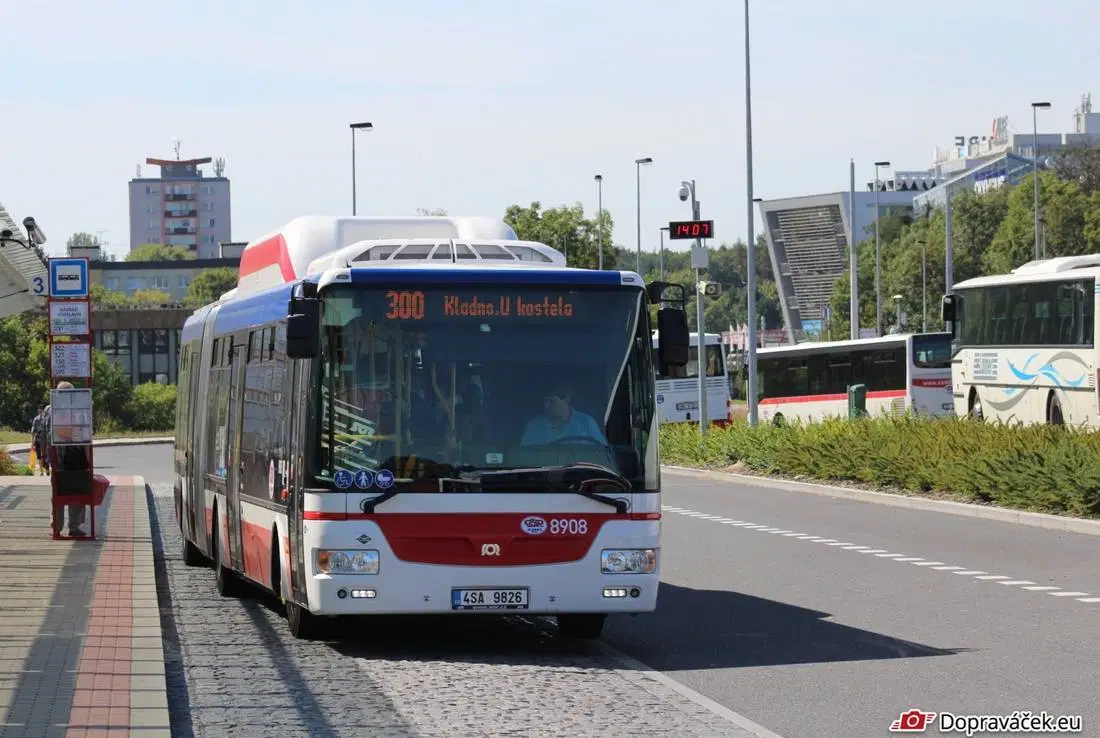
<point>347,562</point>
<point>628,561</point>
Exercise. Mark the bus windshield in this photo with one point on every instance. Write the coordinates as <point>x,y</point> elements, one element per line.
<point>715,364</point>
<point>932,351</point>
<point>437,384</point>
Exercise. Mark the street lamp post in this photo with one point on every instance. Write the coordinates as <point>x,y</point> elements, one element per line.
<point>924,270</point>
<point>638,206</point>
<point>356,127</point>
<point>599,216</point>
<point>878,255</point>
<point>750,243</point>
<point>1035,106</point>
<point>687,190</point>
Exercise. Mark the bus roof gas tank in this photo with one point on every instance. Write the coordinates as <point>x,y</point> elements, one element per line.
<point>286,254</point>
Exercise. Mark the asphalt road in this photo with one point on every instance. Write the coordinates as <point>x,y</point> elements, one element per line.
<point>813,616</point>
<point>234,670</point>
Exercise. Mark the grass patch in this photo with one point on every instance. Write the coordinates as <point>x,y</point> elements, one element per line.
<point>10,436</point>
<point>1038,468</point>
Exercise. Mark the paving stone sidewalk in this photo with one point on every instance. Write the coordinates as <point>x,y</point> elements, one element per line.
<point>81,653</point>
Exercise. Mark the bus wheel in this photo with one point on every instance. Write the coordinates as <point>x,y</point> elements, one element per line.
<point>779,421</point>
<point>303,624</point>
<point>1054,411</point>
<point>587,625</point>
<point>225,581</point>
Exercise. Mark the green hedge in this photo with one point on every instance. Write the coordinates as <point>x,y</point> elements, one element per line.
<point>1038,468</point>
<point>152,407</point>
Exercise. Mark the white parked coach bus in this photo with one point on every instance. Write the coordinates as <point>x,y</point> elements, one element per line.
<point>810,381</point>
<point>1024,343</point>
<point>678,388</point>
<point>425,415</point>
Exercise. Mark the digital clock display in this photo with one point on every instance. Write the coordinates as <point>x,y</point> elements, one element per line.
<point>679,229</point>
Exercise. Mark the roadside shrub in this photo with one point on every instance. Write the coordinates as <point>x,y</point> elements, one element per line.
<point>8,466</point>
<point>1039,468</point>
<point>153,407</point>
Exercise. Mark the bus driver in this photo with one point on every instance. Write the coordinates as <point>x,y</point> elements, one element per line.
<point>560,420</point>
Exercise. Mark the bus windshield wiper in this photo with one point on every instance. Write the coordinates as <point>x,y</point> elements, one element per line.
<point>571,476</point>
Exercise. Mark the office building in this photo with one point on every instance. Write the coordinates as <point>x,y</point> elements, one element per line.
<point>181,207</point>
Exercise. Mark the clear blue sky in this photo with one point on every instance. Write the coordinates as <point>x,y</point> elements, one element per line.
<point>483,103</point>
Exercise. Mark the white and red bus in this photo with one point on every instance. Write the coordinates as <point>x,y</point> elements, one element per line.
<point>424,415</point>
<point>678,388</point>
<point>902,373</point>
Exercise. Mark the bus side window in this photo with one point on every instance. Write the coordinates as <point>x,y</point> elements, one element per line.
<point>860,366</point>
<point>1020,323</point>
<point>1085,338</point>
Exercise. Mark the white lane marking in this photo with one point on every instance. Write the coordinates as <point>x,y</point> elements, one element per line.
<point>707,703</point>
<point>1024,584</point>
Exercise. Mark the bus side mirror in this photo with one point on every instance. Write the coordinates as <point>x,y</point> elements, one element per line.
<point>947,313</point>
<point>947,309</point>
<point>673,338</point>
<point>303,329</point>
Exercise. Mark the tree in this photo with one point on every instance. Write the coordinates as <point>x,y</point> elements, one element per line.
<point>151,298</point>
<point>111,393</point>
<point>563,228</point>
<point>24,368</point>
<point>159,252</point>
<point>993,233</point>
<point>103,298</point>
<point>1080,164</point>
<point>153,406</point>
<point>82,240</point>
<point>209,285</point>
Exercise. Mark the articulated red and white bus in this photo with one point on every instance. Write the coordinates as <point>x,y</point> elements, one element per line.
<point>425,415</point>
<point>902,372</point>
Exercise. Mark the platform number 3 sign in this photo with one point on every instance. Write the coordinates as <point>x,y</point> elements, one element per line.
<point>39,286</point>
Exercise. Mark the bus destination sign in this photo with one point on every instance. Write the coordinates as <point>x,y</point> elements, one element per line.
<point>414,305</point>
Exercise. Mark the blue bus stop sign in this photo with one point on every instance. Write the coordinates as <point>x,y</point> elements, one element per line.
<point>69,278</point>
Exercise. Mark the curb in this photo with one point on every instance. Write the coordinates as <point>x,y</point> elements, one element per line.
<point>154,682</point>
<point>15,448</point>
<point>965,509</point>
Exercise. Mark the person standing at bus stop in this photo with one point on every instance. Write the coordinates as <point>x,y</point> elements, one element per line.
<point>38,439</point>
<point>69,458</point>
